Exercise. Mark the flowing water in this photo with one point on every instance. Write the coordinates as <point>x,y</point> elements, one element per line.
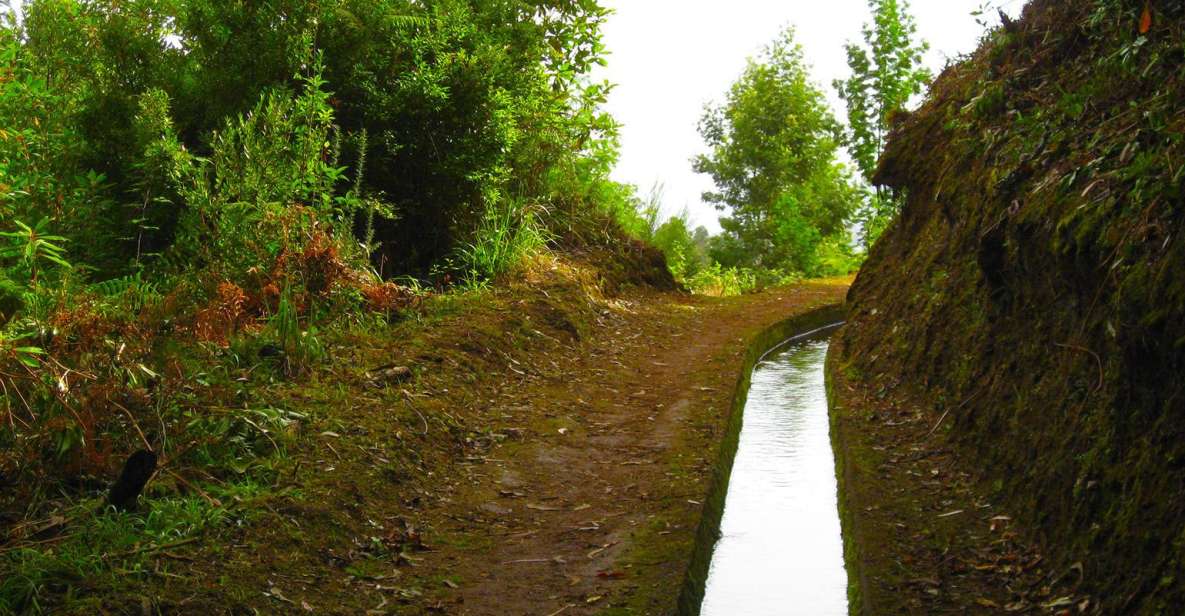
<point>780,550</point>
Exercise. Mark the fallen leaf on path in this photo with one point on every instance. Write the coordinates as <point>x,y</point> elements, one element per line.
<point>386,375</point>
<point>275,593</point>
<point>378,609</point>
<point>594,553</point>
<point>542,507</point>
<point>610,575</point>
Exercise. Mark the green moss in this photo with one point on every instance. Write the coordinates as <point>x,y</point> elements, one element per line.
<point>1059,141</point>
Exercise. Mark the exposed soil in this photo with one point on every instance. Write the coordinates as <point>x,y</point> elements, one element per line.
<point>549,453</point>
<point>598,507</point>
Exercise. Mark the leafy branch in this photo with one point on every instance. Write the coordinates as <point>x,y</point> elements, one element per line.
<point>32,246</point>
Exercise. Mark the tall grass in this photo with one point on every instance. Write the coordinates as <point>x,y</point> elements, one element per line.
<point>718,281</point>
<point>509,231</point>
<point>301,347</point>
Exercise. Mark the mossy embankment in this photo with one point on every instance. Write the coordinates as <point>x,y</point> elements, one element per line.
<point>1027,303</point>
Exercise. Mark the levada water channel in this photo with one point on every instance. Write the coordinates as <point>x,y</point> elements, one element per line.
<point>780,550</point>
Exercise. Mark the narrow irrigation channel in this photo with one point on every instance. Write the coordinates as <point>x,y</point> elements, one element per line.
<point>780,549</point>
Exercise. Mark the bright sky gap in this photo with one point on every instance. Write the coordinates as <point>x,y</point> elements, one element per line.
<point>671,57</point>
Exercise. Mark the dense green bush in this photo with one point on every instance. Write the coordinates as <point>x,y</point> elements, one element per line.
<point>685,250</point>
<point>223,171</point>
<point>470,107</point>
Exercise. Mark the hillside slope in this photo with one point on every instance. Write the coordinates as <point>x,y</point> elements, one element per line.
<point>1030,295</point>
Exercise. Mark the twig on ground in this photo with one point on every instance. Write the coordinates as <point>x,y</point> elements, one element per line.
<point>940,419</point>
<point>149,549</point>
<point>29,544</point>
<point>209,499</point>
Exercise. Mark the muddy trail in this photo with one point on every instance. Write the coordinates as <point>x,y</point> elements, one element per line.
<point>596,511</point>
<point>548,450</point>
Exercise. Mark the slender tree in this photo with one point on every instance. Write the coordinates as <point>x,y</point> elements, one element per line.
<point>886,72</point>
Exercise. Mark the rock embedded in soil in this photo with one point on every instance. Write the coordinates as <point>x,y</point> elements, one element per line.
<point>389,375</point>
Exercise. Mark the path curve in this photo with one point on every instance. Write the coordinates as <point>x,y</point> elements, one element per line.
<point>594,509</point>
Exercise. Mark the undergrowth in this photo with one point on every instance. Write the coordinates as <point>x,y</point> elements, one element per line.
<point>109,549</point>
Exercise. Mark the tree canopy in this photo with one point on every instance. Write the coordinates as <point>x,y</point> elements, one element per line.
<point>472,110</point>
<point>773,146</point>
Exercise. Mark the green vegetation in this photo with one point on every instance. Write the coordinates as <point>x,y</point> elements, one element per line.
<point>773,147</point>
<point>444,121</point>
<point>886,73</point>
<point>201,200</point>
<point>207,206</point>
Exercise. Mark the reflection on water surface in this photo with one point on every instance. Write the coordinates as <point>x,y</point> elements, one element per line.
<point>780,550</point>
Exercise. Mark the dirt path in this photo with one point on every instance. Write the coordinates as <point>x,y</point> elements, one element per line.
<point>594,506</point>
<point>548,453</point>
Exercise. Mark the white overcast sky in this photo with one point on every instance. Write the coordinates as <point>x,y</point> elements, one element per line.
<point>670,57</point>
